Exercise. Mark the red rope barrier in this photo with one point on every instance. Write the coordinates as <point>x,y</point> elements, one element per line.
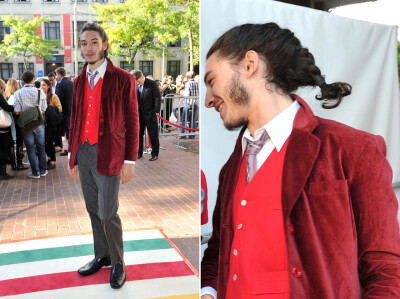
<point>149,142</point>
<point>190,129</point>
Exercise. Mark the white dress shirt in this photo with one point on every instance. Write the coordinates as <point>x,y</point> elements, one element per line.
<point>279,130</point>
<point>101,69</point>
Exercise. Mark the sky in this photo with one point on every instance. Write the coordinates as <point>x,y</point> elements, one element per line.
<point>381,11</point>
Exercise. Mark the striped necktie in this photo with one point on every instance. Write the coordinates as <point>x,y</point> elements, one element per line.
<point>253,148</point>
<point>91,79</point>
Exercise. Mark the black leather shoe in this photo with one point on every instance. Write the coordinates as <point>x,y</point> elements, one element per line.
<point>117,277</point>
<point>153,158</point>
<point>64,153</point>
<point>94,265</point>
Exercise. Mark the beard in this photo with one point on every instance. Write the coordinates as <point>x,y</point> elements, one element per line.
<point>101,56</point>
<point>239,96</point>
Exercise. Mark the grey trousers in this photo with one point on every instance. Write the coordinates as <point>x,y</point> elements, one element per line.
<point>101,198</point>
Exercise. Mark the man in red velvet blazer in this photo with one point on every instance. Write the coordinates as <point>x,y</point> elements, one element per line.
<point>103,146</point>
<point>338,217</point>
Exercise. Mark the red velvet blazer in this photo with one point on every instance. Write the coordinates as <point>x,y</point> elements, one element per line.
<point>118,123</point>
<point>340,214</point>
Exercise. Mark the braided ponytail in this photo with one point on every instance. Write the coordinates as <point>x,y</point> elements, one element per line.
<point>289,64</point>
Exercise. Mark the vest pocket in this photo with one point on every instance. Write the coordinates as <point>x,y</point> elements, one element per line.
<point>271,283</point>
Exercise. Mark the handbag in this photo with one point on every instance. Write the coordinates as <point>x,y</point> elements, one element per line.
<point>31,118</point>
<point>5,119</point>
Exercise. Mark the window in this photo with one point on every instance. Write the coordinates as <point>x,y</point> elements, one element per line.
<point>146,67</point>
<point>22,1</point>
<point>6,70</point>
<point>100,1</point>
<point>21,68</point>
<point>52,30</point>
<point>176,44</point>
<point>126,66</point>
<point>174,68</point>
<point>80,1</point>
<point>3,31</point>
<point>79,25</point>
<point>54,1</point>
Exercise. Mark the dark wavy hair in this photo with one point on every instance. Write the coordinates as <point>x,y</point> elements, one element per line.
<point>289,64</point>
<point>96,27</point>
<point>49,94</point>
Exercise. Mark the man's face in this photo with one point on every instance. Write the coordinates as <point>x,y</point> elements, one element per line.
<point>226,93</point>
<point>53,81</point>
<point>92,46</point>
<point>140,80</point>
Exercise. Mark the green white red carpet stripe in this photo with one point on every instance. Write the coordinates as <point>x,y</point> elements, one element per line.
<point>46,268</point>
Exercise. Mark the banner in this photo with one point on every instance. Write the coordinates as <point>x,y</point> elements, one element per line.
<point>38,31</point>
<point>67,38</point>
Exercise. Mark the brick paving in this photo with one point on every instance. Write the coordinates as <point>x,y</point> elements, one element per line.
<point>163,194</point>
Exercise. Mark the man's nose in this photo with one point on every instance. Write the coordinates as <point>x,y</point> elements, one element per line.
<point>209,103</point>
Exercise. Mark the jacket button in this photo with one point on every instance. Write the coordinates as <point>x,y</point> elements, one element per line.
<point>234,277</point>
<point>244,202</point>
<point>100,133</point>
<point>240,226</point>
<point>290,229</point>
<point>235,252</point>
<point>296,272</point>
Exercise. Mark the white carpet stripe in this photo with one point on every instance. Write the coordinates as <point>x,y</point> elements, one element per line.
<point>74,240</point>
<point>73,264</point>
<point>141,289</point>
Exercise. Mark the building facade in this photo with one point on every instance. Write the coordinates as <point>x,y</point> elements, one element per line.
<point>61,27</point>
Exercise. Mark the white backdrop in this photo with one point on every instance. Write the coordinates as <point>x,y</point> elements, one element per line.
<point>360,53</point>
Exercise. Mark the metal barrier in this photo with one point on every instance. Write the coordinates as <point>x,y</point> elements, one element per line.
<point>182,111</point>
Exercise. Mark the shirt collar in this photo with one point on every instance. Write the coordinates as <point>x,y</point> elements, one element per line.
<point>101,69</point>
<point>278,129</point>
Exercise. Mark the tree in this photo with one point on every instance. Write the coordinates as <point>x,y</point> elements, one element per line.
<point>24,41</point>
<point>135,25</point>
<point>187,23</point>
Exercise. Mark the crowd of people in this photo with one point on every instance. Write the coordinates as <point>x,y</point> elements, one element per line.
<point>186,111</point>
<point>55,99</point>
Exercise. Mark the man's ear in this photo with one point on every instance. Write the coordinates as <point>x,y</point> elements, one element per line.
<point>250,62</point>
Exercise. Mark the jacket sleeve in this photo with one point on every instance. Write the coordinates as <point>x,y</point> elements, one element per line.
<point>131,121</point>
<point>4,105</point>
<point>209,264</point>
<point>375,211</point>
<point>73,115</point>
<point>60,91</point>
<point>157,97</point>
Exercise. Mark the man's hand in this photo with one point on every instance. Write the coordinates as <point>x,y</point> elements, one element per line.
<point>207,296</point>
<point>127,172</point>
<point>74,172</point>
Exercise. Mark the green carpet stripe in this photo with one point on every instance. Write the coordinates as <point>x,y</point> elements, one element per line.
<point>27,256</point>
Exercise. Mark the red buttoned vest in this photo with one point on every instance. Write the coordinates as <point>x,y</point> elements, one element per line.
<point>258,261</point>
<point>91,110</point>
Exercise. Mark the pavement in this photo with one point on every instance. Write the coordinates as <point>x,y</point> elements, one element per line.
<point>163,194</point>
